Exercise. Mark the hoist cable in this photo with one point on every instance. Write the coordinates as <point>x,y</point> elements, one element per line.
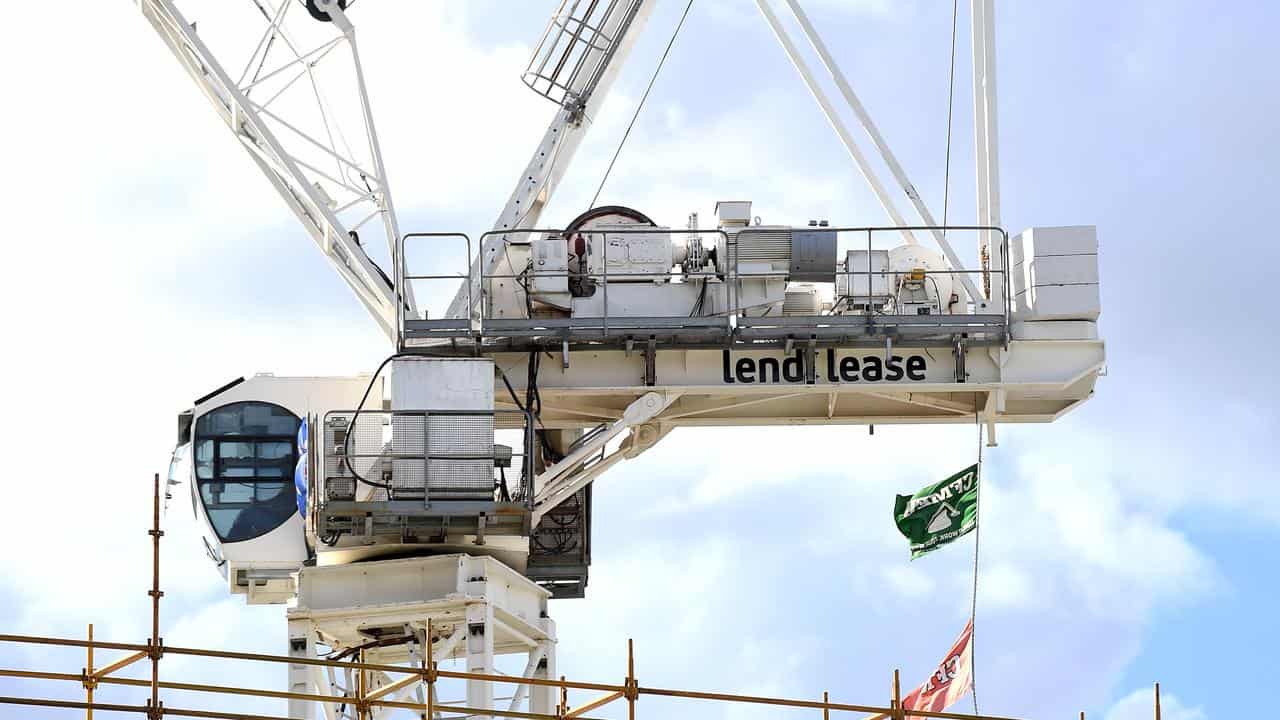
<point>640,106</point>
<point>977,533</point>
<point>977,483</point>
<point>951,98</point>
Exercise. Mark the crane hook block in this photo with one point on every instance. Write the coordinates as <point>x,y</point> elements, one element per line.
<point>319,9</point>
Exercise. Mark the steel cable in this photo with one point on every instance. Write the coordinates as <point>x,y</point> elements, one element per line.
<point>951,97</point>
<point>640,107</point>
<point>973,607</point>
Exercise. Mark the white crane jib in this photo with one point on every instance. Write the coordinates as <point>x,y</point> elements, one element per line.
<point>320,152</point>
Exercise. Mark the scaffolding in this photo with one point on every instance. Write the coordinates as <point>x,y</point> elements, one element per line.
<point>377,684</point>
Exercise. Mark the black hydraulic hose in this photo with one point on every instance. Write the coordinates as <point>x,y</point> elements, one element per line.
<point>346,441</point>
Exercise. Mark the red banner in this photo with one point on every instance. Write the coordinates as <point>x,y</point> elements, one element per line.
<point>949,682</point>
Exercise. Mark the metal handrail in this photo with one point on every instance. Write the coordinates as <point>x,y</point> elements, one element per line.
<point>630,691</point>
<point>1003,271</point>
<point>476,322</point>
<point>401,278</point>
<point>573,37</point>
<point>604,258</point>
<point>525,455</point>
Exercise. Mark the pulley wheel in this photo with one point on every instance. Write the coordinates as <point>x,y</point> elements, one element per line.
<point>313,7</point>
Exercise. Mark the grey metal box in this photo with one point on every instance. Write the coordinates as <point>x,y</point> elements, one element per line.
<point>813,255</point>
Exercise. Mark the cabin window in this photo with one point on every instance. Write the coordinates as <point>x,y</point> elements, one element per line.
<point>245,455</point>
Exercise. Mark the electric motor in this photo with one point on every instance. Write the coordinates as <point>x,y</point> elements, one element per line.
<point>920,281</point>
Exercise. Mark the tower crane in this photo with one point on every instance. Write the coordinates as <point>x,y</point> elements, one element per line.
<point>446,497</point>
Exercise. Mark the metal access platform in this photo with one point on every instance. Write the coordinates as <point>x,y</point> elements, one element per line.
<point>487,332</point>
<point>456,480</point>
<point>993,357</point>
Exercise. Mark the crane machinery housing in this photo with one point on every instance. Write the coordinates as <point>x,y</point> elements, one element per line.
<point>445,497</point>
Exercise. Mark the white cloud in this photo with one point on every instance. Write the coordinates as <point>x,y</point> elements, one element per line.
<point>908,581</point>
<point>1005,585</point>
<point>740,153</point>
<point>1074,565</point>
<point>1076,516</point>
<point>1140,705</point>
<point>1050,524</point>
<point>452,114</point>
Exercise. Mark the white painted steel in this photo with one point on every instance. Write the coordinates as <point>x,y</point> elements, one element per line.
<point>478,608</point>
<point>274,144</point>
<point>283,548</point>
<point>302,678</point>
<point>1043,380</point>
<point>986,133</point>
<point>558,482</point>
<point>541,176</point>
<point>442,384</point>
<point>859,159</point>
<point>873,132</point>
<point>530,670</point>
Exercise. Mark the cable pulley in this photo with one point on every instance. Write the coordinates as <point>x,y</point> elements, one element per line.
<point>319,9</point>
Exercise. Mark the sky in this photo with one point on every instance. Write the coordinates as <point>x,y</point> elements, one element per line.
<point>1129,543</point>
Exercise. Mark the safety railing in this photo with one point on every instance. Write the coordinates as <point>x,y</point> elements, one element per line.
<point>987,323</point>
<point>374,687</point>
<point>501,317</point>
<point>421,472</point>
<point>449,328</point>
<point>582,35</point>
<point>604,325</point>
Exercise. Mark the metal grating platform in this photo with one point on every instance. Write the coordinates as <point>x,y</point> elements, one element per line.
<point>734,328</point>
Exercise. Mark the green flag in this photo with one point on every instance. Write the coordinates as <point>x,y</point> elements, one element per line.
<point>937,514</point>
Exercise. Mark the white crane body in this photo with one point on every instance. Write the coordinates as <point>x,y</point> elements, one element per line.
<point>446,499</point>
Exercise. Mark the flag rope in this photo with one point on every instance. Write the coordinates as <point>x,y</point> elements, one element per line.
<point>973,608</point>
